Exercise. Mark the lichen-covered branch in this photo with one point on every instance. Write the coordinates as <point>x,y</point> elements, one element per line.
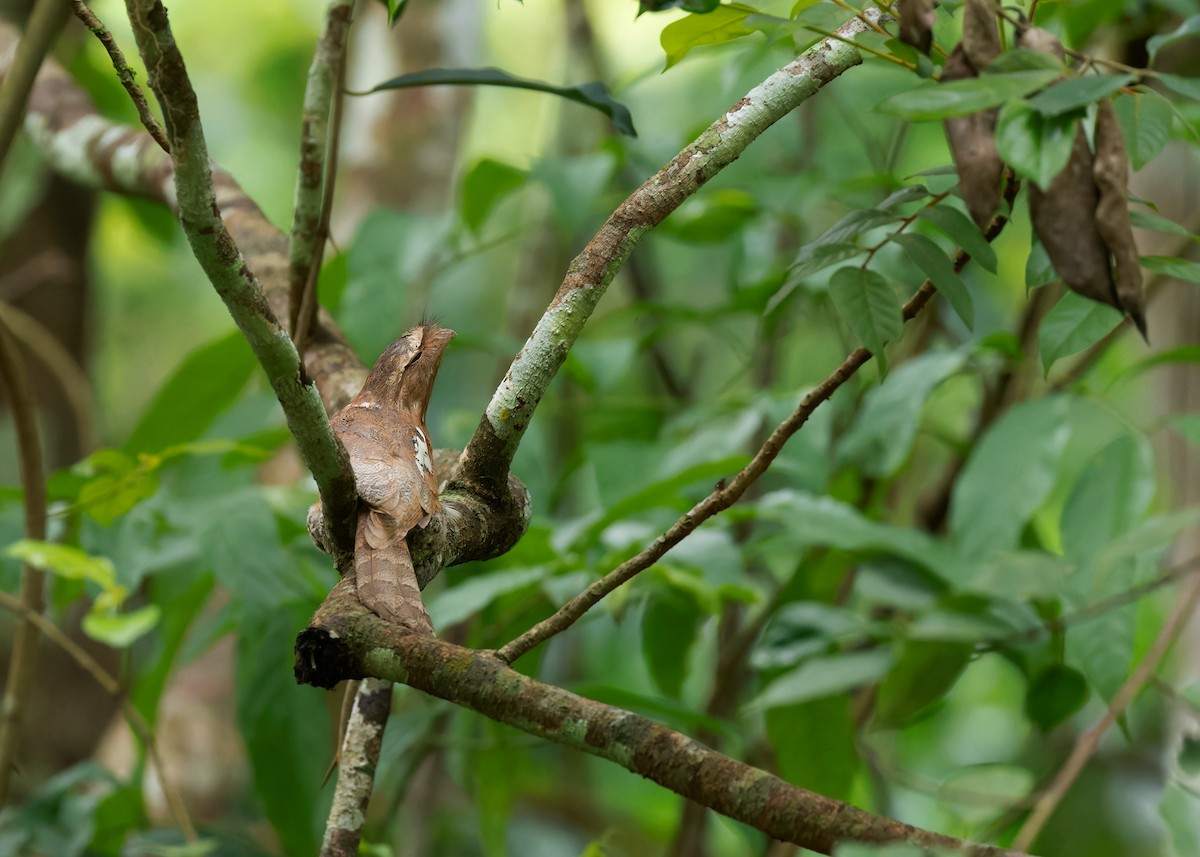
<point>346,641</point>
<point>491,450</point>
<point>356,767</point>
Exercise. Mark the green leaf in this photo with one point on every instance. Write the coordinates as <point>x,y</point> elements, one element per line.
<point>960,97</point>
<point>207,382</point>
<point>64,561</point>
<point>395,8</point>
<point>1009,475</point>
<point>1024,59</point>
<point>1146,118</point>
<point>240,543</point>
<point>883,431</point>
<point>1039,270</point>
<point>593,94</point>
<point>1173,266</point>
<point>1156,222</point>
<point>668,632</point>
<point>486,184</point>
<point>824,676</point>
<point>1189,87</point>
<point>867,303</point>
<point>1073,324</point>
<point>1034,145</point>
<point>1178,808</point>
<point>963,231</point>
<point>723,24</point>
<point>121,630</point>
<point>809,520</point>
<point>854,224</point>
<point>829,766</point>
<point>1077,92</point>
<point>117,484</point>
<point>1103,646</point>
<point>286,728</point>
<point>1190,28</point>
<point>459,602</point>
<point>1057,693</point>
<point>934,263</point>
<point>923,673</point>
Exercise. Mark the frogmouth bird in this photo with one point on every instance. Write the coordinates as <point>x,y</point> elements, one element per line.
<point>383,430</point>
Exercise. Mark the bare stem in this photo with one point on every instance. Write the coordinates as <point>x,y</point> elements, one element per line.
<point>124,72</point>
<point>23,661</point>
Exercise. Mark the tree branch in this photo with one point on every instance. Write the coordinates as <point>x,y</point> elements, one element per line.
<point>346,641</point>
<point>489,454</point>
<point>23,660</point>
<point>726,494</point>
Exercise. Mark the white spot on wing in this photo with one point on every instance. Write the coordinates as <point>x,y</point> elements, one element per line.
<point>422,452</point>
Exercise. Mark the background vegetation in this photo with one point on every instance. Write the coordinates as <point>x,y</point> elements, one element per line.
<point>947,575</point>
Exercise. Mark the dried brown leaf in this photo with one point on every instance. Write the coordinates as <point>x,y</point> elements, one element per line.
<point>972,141</point>
<point>916,23</point>
<point>1042,41</point>
<point>1111,173</point>
<point>981,36</point>
<point>1064,218</point>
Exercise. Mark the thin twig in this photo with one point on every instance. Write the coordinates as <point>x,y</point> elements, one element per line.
<point>726,494</point>
<point>113,687</point>
<point>23,661</point>
<point>1087,743</point>
<point>318,165</point>
<point>45,23</point>
<point>124,73</point>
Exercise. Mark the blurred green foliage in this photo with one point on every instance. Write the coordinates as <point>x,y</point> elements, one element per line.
<point>834,626</point>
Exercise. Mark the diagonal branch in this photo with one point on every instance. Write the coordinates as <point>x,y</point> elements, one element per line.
<point>726,494</point>
<point>489,455</point>
<point>346,641</point>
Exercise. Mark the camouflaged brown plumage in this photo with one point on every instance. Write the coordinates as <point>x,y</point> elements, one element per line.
<point>383,430</point>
